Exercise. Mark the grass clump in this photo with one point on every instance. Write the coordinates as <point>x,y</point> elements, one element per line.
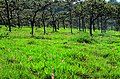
<point>84,39</point>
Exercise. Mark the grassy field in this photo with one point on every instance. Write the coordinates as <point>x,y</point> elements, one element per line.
<point>62,54</point>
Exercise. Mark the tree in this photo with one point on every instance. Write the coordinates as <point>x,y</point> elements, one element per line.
<point>95,9</point>
<point>32,8</point>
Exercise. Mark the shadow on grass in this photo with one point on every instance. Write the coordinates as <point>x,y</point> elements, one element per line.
<point>23,37</point>
<point>116,35</point>
<point>83,76</point>
<point>3,37</point>
<point>41,37</point>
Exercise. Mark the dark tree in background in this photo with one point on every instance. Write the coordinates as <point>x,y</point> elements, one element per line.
<point>83,15</point>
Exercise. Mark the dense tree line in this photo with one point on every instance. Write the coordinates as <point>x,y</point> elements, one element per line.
<point>88,14</point>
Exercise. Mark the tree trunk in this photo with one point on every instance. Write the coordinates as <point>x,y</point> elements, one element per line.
<point>32,26</point>
<point>79,23</point>
<point>8,15</point>
<point>71,20</point>
<point>98,23</point>
<point>91,23</point>
<point>55,26</point>
<point>43,21</point>
<point>83,23</point>
<point>101,24</point>
<point>58,24</point>
<point>33,23</point>
<point>53,21</point>
<point>18,19</point>
<point>94,26</point>
<point>63,22</point>
<point>105,25</point>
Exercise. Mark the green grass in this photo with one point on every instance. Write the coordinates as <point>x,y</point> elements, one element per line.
<point>66,55</point>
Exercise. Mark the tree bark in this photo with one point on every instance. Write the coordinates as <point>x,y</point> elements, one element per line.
<point>32,26</point>
<point>8,15</point>
<point>79,23</point>
<point>91,23</point>
<point>94,26</point>
<point>58,24</point>
<point>43,21</point>
<point>33,23</point>
<point>53,21</point>
<point>63,22</point>
<point>83,23</point>
<point>18,20</point>
<point>101,24</point>
<point>98,23</point>
<point>71,20</point>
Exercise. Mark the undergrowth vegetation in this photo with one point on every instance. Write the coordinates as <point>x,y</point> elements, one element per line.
<point>66,55</point>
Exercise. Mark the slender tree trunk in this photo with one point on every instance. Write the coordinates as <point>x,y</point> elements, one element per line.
<point>71,20</point>
<point>98,23</point>
<point>83,23</point>
<point>79,23</point>
<point>55,26</point>
<point>91,23</point>
<point>105,25</point>
<point>105,22</point>
<point>53,21</point>
<point>33,23</point>
<point>94,26</point>
<point>63,22</point>
<point>32,26</point>
<point>58,24</point>
<point>101,24</point>
<point>8,15</point>
<point>43,21</point>
<point>18,19</point>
